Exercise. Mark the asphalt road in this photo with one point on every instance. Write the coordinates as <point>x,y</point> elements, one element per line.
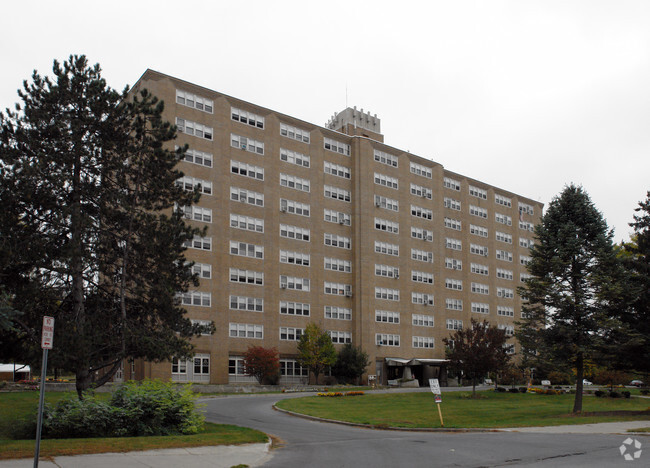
<point>306,443</point>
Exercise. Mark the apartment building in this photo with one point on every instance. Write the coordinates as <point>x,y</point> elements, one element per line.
<point>382,248</point>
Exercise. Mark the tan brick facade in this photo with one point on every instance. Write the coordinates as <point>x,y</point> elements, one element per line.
<point>362,188</point>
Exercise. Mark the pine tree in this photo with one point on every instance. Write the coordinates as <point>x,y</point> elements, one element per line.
<point>575,286</point>
<point>95,241</point>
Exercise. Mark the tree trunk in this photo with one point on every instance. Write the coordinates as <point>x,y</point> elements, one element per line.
<point>577,404</point>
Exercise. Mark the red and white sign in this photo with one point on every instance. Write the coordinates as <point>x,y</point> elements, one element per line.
<point>47,335</point>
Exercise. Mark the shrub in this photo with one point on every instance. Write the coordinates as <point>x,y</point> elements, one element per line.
<point>500,389</point>
<point>645,391</point>
<point>523,389</point>
<point>600,393</point>
<point>262,363</point>
<point>71,418</point>
<point>513,390</point>
<point>614,395</point>
<point>626,394</point>
<point>354,393</point>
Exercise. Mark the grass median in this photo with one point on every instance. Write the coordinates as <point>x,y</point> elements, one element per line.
<point>492,410</point>
<point>17,407</point>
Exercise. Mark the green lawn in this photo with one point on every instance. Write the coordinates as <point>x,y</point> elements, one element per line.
<point>494,411</point>
<point>16,407</point>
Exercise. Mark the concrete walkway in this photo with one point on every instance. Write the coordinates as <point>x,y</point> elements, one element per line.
<point>600,428</point>
<point>221,456</point>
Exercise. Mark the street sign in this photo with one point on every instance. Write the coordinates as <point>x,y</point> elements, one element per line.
<point>438,398</point>
<point>435,386</point>
<point>47,335</point>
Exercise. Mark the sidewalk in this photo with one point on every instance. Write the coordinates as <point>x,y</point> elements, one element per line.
<point>599,428</point>
<point>221,456</point>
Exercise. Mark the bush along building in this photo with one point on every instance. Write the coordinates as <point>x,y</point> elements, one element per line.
<point>382,248</point>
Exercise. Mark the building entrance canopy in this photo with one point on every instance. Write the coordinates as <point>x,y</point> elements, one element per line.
<point>414,361</point>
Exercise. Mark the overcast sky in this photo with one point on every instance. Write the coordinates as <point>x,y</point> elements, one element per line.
<point>525,95</point>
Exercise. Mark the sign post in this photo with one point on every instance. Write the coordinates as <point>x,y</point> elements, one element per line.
<point>47,341</point>
<point>435,389</point>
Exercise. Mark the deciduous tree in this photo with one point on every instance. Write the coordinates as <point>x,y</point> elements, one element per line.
<point>315,350</point>
<point>262,363</point>
<point>351,363</point>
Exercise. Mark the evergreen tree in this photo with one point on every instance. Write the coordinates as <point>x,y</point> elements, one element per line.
<point>350,364</point>
<point>575,286</point>
<point>477,351</point>
<point>315,350</point>
<point>94,240</point>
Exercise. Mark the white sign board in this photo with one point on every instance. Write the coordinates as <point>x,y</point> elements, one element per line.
<point>546,382</point>
<point>47,335</point>
<point>435,386</point>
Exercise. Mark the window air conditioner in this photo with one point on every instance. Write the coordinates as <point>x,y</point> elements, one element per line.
<point>341,221</point>
<point>348,294</point>
<point>283,286</point>
<point>243,146</point>
<point>283,209</point>
<point>377,203</point>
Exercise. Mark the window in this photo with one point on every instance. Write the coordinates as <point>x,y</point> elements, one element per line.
<point>340,337</point>
<point>503,201</point>
<point>290,333</point>
<point>294,133</point>
<point>423,342</point>
<point>453,324</point>
<point>336,146</point>
<point>386,248</point>
<point>505,311</point>
<point>422,255</point>
<point>386,226</point>
<point>294,157</point>
<point>420,212</point>
<point>200,243</point>
<point>478,231</point>
<point>454,304</point>
<point>196,213</point>
<point>245,117</point>
<point>383,339</point>
<point>451,184</point>
<point>291,368</point>
<point>294,258</point>
<point>294,283</point>
<point>179,367</point>
<point>198,157</point>
<point>477,192</point>
<point>294,207</point>
<point>332,216</point>
<point>523,277</point>
<point>294,232</point>
<point>452,203</point>
<point>419,169</point>
<point>387,294</point>
<point>527,243</point>
<point>386,316</point>
<point>420,320</point>
<point>336,264</point>
<point>505,293</point>
<point>248,144</point>
<point>246,250</point>
<point>454,224</point>
<point>293,182</point>
<point>246,330</point>
<point>509,329</point>
<point>454,284</point>
<point>524,260</point>
<point>479,269</point>
<point>246,223</point>
<point>250,304</point>
<point>526,226</point>
<point>479,288</point>
<point>294,308</point>
<point>525,208</point>
<point>420,191</point>
<point>337,193</point>
<point>246,196</point>
<point>193,128</point>
<point>341,242</point>
<point>201,368</point>
<point>453,244</point>
<point>247,170</point>
<point>386,203</point>
<point>246,276</point>
<point>192,183</point>
<point>386,181</point>
<point>422,298</point>
<point>478,250</point>
<point>504,274</point>
<point>192,100</point>
<point>503,219</point>
<point>236,366</point>
<point>385,158</point>
<point>338,313</point>
<point>338,289</point>
<point>423,234</point>
<point>504,255</point>
<point>503,237</point>
<point>478,211</point>
<point>203,270</point>
<point>453,264</point>
<point>196,298</point>
<point>480,308</point>
<point>421,277</point>
<point>336,170</point>
<point>386,271</point>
